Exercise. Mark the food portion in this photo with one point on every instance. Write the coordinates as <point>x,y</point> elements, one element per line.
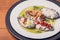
<point>37,19</point>
<point>27,23</point>
<point>50,13</point>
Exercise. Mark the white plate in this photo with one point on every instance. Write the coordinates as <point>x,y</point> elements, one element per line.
<point>15,12</point>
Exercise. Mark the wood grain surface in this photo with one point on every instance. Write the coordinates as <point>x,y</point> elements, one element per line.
<point>4,6</point>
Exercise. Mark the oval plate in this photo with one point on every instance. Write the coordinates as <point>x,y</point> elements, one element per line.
<point>13,23</point>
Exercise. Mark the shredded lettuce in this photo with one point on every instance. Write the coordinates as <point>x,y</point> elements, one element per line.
<point>38,7</point>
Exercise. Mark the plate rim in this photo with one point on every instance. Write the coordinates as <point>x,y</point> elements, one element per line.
<point>9,24</point>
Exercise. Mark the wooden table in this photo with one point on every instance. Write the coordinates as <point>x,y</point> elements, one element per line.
<point>4,6</point>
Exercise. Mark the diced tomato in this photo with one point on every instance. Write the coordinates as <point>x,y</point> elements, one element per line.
<point>42,23</point>
<point>49,25</point>
<point>45,24</point>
